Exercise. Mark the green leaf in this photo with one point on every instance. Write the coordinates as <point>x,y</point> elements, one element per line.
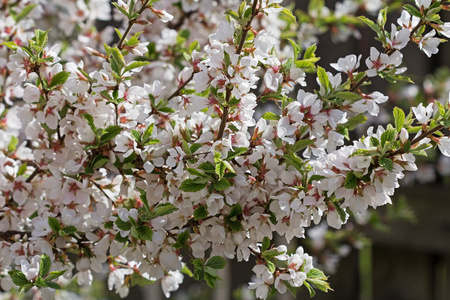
<point>388,136</point>
<point>270,116</point>
<point>13,144</point>
<point>90,121</point>
<point>99,161</point>
<point>122,225</point>
<point>210,280</point>
<point>295,48</point>
<point>387,163</point>
<point>348,96</point>
<point>323,79</point>
<point>412,10</point>
<point>138,280</point>
<point>351,181</point>
<point>221,185</point>
<point>163,209</point>
<point>24,13</point>
<point>286,12</point>
<point>382,16</point>
<point>342,214</point>
<point>355,121</point>
<point>216,262</point>
<point>44,265</point>
<point>187,271</point>
<point>54,224</point>
<point>123,11</point>
<point>208,167</point>
<point>117,60</point>
<point>220,169</point>
<point>54,275</point>
<point>110,133</point>
<point>200,213</point>
<point>371,24</point>
<point>271,266</point>
<point>310,52</point>
<point>315,178</point>
<point>399,117</point>
<point>22,169</point>
<point>192,186</point>
<point>59,79</point>
<point>136,135</point>
<point>265,244</point>
<point>290,288</point>
<point>311,290</point>
<point>196,172</point>
<point>135,65</point>
<point>236,152</point>
<point>41,37</point>
<point>18,278</point>
<point>120,238</point>
<point>183,237</point>
<point>53,285</point>
<point>302,144</point>
<point>144,232</point>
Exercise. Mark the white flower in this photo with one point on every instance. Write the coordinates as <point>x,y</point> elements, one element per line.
<point>171,282</point>
<point>398,39</point>
<point>444,145</point>
<point>429,44</point>
<point>30,269</point>
<point>423,114</point>
<point>348,64</point>
<point>424,3</point>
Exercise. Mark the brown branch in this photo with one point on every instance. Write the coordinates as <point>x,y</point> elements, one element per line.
<point>419,138</point>
<point>177,92</point>
<point>34,174</point>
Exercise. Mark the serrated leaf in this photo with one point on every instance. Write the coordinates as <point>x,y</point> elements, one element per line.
<point>270,116</point>
<point>265,244</point>
<point>110,133</point>
<point>54,275</point>
<point>295,48</point>
<point>216,262</point>
<point>53,285</point>
<point>399,117</point>
<point>24,12</point>
<point>310,52</point>
<point>355,121</point>
<point>122,225</point>
<point>220,169</point>
<point>18,278</point>
<point>117,60</point>
<point>54,224</point>
<point>59,79</point>
<point>70,230</point>
<point>183,237</point>
<point>315,178</point>
<point>236,152</point>
<point>342,214</point>
<point>286,12</point>
<point>302,144</point>
<point>210,280</point>
<point>270,266</point>
<point>348,96</point>
<point>90,121</point>
<point>163,209</point>
<point>371,24</point>
<point>44,265</point>
<point>351,181</point>
<point>200,213</point>
<point>208,167</point>
<point>311,290</point>
<point>14,141</point>
<point>120,238</point>
<point>144,232</point>
<point>323,79</point>
<point>135,65</point>
<point>412,10</point>
<point>192,186</point>
<point>387,136</point>
<point>138,280</point>
<point>387,163</point>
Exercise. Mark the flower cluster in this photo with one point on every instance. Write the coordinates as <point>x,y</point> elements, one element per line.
<point>145,154</point>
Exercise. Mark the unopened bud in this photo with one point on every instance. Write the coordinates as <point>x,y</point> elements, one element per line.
<point>143,22</point>
<point>404,135</point>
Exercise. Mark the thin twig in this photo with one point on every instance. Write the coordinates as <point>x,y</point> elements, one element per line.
<point>177,92</point>
<point>226,109</point>
<point>131,22</point>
